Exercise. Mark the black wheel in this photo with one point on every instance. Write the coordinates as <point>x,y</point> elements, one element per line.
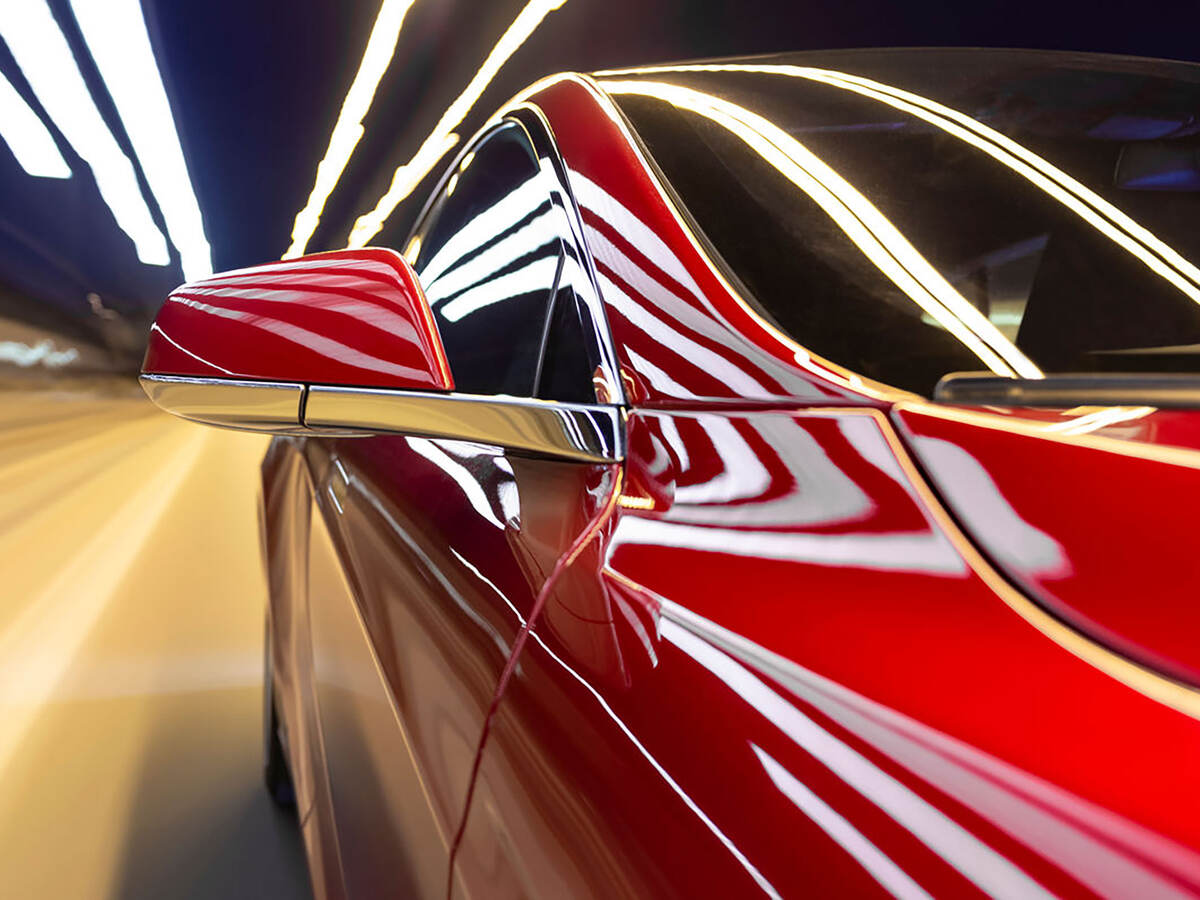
<point>275,768</point>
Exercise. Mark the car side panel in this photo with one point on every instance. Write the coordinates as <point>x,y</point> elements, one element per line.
<point>782,670</point>
<point>287,517</point>
<point>388,836</point>
<point>434,556</point>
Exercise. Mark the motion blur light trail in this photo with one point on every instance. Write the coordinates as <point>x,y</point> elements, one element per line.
<point>130,657</point>
<point>37,44</point>
<point>443,137</point>
<point>117,39</point>
<point>27,137</point>
<point>348,130</point>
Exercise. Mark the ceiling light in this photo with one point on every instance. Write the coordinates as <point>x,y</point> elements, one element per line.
<point>27,138</point>
<point>42,53</point>
<point>116,36</point>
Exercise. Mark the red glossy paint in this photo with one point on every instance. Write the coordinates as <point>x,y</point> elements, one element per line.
<point>353,317</point>
<point>805,640</point>
<point>1083,523</point>
<point>681,333</point>
<point>795,677</point>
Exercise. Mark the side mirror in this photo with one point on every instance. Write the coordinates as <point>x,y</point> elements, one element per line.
<point>341,343</point>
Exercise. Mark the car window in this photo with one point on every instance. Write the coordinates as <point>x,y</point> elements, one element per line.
<point>566,373</point>
<point>1049,228</point>
<point>488,257</point>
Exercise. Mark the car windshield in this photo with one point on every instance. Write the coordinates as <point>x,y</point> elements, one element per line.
<point>907,214</point>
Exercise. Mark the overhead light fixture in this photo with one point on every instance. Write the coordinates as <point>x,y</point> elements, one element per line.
<point>28,139</point>
<point>116,36</point>
<point>42,53</point>
<point>348,130</point>
<point>443,138</point>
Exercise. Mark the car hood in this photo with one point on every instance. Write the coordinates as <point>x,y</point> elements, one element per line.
<point>1092,514</point>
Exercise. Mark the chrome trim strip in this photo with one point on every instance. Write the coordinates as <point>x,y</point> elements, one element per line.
<point>571,431</point>
<point>244,405</point>
<point>541,136</point>
<point>1165,390</point>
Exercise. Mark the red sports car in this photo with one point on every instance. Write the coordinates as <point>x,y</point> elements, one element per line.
<point>772,476</point>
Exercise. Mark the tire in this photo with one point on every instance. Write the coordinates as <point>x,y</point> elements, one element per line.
<point>277,778</point>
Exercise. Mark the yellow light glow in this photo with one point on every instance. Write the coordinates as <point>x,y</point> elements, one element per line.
<point>1110,221</point>
<point>381,47</point>
<point>442,139</point>
<point>413,250</point>
<point>635,502</point>
<point>862,222</point>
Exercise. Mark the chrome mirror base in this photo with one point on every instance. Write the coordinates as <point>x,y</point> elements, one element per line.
<point>584,432</point>
<point>588,433</point>
<point>245,405</point>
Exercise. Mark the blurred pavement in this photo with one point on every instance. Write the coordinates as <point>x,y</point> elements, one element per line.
<point>131,617</point>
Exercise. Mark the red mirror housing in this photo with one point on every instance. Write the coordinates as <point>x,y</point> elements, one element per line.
<point>348,317</point>
<point>342,343</point>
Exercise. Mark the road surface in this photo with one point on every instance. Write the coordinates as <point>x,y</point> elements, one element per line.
<point>131,616</point>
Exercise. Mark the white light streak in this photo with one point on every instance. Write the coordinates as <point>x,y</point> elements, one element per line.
<point>348,130</point>
<point>530,278</point>
<point>27,355</point>
<point>1106,218</point>
<point>897,882</point>
<point>910,551</point>
<point>318,343</point>
<point>729,845</point>
<point>965,483</point>
<point>1092,844</point>
<point>115,32</point>
<point>512,207</point>
<point>44,57</point>
<point>863,223</point>
<point>461,475</point>
<point>28,139</point>
<point>984,867</point>
<point>1102,418</point>
<point>529,239</point>
<point>442,138</point>
<point>669,337</point>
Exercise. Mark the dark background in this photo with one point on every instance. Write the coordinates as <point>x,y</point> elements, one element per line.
<point>256,86</point>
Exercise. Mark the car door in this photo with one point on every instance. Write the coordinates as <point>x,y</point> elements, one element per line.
<point>427,556</point>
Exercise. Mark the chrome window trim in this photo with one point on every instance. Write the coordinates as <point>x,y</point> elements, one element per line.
<point>588,433</point>
<point>541,137</point>
<point>583,432</point>
<point>272,406</point>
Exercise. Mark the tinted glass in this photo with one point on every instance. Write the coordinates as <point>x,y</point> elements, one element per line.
<point>566,374</point>
<point>488,259</point>
<point>1050,229</point>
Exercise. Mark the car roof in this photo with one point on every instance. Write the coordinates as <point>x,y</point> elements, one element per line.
<point>944,58</point>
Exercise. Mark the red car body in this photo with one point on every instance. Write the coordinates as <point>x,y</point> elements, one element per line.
<point>811,635</point>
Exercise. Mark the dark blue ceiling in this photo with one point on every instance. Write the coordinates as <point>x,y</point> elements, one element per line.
<point>256,85</point>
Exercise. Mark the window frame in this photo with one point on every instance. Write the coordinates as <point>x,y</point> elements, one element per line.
<point>598,338</point>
